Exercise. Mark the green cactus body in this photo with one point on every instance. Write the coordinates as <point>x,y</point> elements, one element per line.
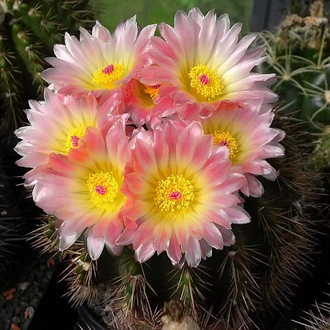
<point>299,53</point>
<point>28,31</point>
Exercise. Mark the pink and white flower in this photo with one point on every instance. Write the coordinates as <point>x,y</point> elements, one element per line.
<point>201,63</point>
<point>58,124</point>
<point>100,61</point>
<point>247,134</point>
<point>83,189</point>
<point>172,182</point>
<point>183,195</point>
<point>141,103</point>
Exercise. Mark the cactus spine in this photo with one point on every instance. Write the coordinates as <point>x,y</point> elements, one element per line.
<point>28,31</point>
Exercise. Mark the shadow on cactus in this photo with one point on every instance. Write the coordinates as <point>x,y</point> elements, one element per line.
<point>318,317</point>
<point>165,183</point>
<point>299,53</point>
<point>14,224</point>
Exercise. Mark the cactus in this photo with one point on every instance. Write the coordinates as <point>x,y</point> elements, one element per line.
<point>247,285</point>
<point>299,53</point>
<point>28,31</point>
<point>241,287</point>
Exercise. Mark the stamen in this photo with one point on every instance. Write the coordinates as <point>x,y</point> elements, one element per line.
<point>174,195</point>
<point>152,90</point>
<point>107,76</point>
<point>103,189</point>
<point>206,83</point>
<point>226,139</point>
<point>73,137</point>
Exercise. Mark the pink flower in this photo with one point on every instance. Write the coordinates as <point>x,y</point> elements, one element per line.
<point>201,63</point>
<point>83,189</point>
<point>100,61</point>
<point>247,134</point>
<point>141,103</point>
<point>183,195</point>
<point>58,124</point>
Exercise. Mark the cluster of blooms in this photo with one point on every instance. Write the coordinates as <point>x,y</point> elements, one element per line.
<point>147,141</point>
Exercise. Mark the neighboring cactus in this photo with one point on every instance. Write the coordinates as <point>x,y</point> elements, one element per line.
<point>299,53</point>
<point>28,31</point>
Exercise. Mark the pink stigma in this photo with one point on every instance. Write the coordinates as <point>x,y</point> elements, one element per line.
<point>204,79</point>
<point>175,195</point>
<point>107,70</point>
<point>155,86</point>
<point>224,143</point>
<point>100,190</point>
<point>75,140</point>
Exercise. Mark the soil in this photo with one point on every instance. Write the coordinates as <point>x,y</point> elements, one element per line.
<point>19,301</point>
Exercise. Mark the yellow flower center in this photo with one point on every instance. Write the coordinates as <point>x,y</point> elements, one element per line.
<point>103,189</point>
<point>174,195</point>
<point>152,90</point>
<point>226,139</point>
<point>107,76</point>
<point>146,94</point>
<point>73,138</point>
<point>205,82</point>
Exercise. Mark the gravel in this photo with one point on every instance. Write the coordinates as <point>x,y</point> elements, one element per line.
<point>18,308</point>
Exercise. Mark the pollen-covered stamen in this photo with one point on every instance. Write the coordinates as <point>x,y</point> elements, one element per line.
<point>75,141</point>
<point>226,139</point>
<point>100,190</point>
<point>103,189</point>
<point>174,195</point>
<point>74,135</point>
<point>107,76</point>
<point>109,69</point>
<point>152,90</point>
<point>205,83</point>
<point>204,79</point>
